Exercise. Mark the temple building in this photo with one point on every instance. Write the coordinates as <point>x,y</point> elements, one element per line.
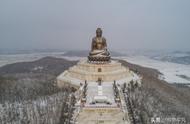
<point>97,78</point>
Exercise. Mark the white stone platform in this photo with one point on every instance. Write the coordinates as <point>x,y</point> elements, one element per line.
<point>92,72</point>
<point>106,91</point>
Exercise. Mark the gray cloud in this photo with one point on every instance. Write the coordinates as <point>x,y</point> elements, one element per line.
<point>70,24</point>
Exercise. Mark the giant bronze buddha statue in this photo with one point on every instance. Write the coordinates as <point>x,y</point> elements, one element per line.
<point>99,52</point>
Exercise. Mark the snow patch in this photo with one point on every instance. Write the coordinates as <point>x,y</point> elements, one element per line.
<point>169,70</point>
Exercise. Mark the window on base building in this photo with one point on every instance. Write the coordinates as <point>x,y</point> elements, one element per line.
<point>99,70</point>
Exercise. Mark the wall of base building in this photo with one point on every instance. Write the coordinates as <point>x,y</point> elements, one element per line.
<point>94,72</point>
<point>114,65</point>
<point>103,76</point>
<point>74,79</point>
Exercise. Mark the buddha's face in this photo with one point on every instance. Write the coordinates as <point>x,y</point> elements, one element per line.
<point>99,32</point>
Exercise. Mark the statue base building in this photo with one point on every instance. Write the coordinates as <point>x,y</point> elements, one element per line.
<point>98,81</point>
<point>100,104</point>
<point>93,72</point>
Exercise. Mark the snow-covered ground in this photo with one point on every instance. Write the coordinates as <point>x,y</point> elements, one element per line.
<point>168,69</point>
<point>13,58</point>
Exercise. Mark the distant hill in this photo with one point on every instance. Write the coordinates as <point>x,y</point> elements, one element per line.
<point>181,60</point>
<point>48,65</point>
<point>28,80</point>
<point>175,57</point>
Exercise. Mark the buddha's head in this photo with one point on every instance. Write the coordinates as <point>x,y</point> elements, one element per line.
<point>98,32</point>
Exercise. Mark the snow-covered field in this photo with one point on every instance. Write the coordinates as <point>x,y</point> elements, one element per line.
<point>168,69</point>
<point>13,58</point>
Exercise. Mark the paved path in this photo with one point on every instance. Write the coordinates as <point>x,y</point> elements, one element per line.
<point>101,113</point>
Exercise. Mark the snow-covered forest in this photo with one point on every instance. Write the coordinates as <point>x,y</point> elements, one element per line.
<point>30,96</point>
<point>44,110</point>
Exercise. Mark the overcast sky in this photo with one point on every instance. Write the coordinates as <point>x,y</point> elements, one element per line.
<point>70,24</point>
